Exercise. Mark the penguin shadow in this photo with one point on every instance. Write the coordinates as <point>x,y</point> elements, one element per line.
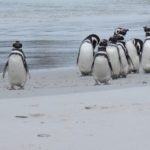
<point>15,87</point>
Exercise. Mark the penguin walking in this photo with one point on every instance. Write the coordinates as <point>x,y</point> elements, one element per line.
<point>134,48</point>
<point>86,54</point>
<point>16,67</point>
<point>101,68</point>
<point>146,51</point>
<point>114,57</point>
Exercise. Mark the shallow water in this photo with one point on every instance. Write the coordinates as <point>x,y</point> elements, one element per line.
<point>51,30</point>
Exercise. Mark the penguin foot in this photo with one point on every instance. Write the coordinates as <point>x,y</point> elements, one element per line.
<point>106,83</point>
<point>114,77</point>
<point>16,87</point>
<point>11,88</point>
<point>123,75</point>
<point>21,87</point>
<point>135,71</point>
<point>85,74</point>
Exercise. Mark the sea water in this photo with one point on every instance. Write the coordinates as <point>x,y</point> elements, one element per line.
<point>51,30</point>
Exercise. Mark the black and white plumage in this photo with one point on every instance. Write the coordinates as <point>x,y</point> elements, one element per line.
<point>146,51</point>
<point>121,31</point>
<point>86,54</point>
<point>114,56</point>
<point>17,68</point>
<point>124,57</point>
<point>134,47</point>
<point>102,68</point>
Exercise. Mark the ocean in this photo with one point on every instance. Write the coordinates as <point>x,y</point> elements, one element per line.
<point>51,30</point>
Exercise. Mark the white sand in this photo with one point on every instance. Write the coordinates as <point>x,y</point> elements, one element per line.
<point>63,111</point>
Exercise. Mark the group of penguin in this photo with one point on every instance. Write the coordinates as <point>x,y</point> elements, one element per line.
<point>17,67</point>
<point>115,57</point>
<point>102,58</point>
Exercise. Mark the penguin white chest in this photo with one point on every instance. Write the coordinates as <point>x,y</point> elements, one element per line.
<point>124,62</point>
<point>16,70</point>
<point>85,57</point>
<point>113,54</point>
<point>132,51</point>
<point>146,56</point>
<point>101,69</point>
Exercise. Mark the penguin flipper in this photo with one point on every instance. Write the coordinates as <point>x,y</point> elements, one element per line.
<point>26,67</point>
<point>4,70</point>
<point>78,56</point>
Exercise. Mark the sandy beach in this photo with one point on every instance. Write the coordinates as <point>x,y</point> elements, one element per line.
<point>59,109</point>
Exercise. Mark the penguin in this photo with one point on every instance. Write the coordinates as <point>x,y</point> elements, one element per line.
<point>101,68</point>
<point>16,67</point>
<point>86,54</point>
<point>114,57</point>
<point>134,48</point>
<point>146,51</point>
<point>121,31</point>
<point>124,58</point>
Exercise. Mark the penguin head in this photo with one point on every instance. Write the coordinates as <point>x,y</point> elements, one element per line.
<point>147,30</point>
<point>117,30</point>
<point>121,31</point>
<point>102,45</point>
<point>103,42</point>
<point>17,45</point>
<point>124,31</point>
<point>95,40</point>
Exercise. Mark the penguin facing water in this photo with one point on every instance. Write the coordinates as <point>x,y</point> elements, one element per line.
<point>16,67</point>
<point>146,51</point>
<point>86,54</point>
<point>101,68</point>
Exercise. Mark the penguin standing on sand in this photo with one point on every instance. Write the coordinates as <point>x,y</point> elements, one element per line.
<point>17,67</point>
<point>124,57</point>
<point>134,48</point>
<point>102,68</point>
<point>114,57</point>
<point>86,54</point>
<point>146,51</point>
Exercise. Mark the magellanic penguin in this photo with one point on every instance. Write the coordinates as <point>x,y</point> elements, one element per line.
<point>101,68</point>
<point>126,61</point>
<point>146,51</point>
<point>114,57</point>
<point>86,54</point>
<point>134,48</point>
<point>16,67</point>
<point>123,56</point>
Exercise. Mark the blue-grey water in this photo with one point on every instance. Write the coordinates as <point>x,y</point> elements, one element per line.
<point>51,30</point>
